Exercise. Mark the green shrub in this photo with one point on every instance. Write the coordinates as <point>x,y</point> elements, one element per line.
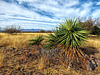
<point>69,36</point>
<point>96,30</point>
<point>52,41</point>
<point>37,42</point>
<point>88,23</point>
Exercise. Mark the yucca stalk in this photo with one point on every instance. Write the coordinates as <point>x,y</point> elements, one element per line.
<point>37,42</point>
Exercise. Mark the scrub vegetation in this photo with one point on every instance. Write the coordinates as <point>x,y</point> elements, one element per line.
<point>70,50</point>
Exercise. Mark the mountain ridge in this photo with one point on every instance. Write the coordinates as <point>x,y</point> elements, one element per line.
<point>32,30</point>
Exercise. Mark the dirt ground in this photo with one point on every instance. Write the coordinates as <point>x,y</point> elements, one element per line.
<point>17,58</point>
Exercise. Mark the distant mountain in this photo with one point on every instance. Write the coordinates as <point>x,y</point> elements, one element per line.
<point>31,30</point>
<point>28,30</point>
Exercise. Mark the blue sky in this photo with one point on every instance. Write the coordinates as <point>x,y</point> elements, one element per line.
<point>45,14</point>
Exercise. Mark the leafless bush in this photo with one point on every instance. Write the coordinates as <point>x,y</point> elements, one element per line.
<point>89,23</point>
<point>12,29</point>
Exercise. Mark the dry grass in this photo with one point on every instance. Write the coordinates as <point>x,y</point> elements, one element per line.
<point>92,46</point>
<point>39,66</point>
<point>1,59</point>
<point>20,40</point>
<point>94,43</point>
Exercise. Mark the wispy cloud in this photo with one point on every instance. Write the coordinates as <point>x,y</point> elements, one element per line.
<point>44,14</point>
<point>98,3</point>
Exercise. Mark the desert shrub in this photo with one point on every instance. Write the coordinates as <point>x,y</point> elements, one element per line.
<point>42,31</point>
<point>89,23</point>
<point>69,36</point>
<point>96,30</point>
<point>52,41</point>
<point>12,29</point>
<point>37,42</point>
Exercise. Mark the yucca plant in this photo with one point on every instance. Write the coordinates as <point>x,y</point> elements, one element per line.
<point>51,41</point>
<point>69,37</point>
<point>37,42</point>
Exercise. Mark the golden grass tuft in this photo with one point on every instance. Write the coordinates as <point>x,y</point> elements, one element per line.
<point>42,63</point>
<point>94,43</point>
<point>1,59</point>
<point>20,40</point>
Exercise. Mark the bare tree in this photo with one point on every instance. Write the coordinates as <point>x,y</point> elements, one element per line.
<point>12,29</point>
<point>89,23</point>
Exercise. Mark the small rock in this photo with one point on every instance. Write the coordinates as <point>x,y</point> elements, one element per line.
<point>13,48</point>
